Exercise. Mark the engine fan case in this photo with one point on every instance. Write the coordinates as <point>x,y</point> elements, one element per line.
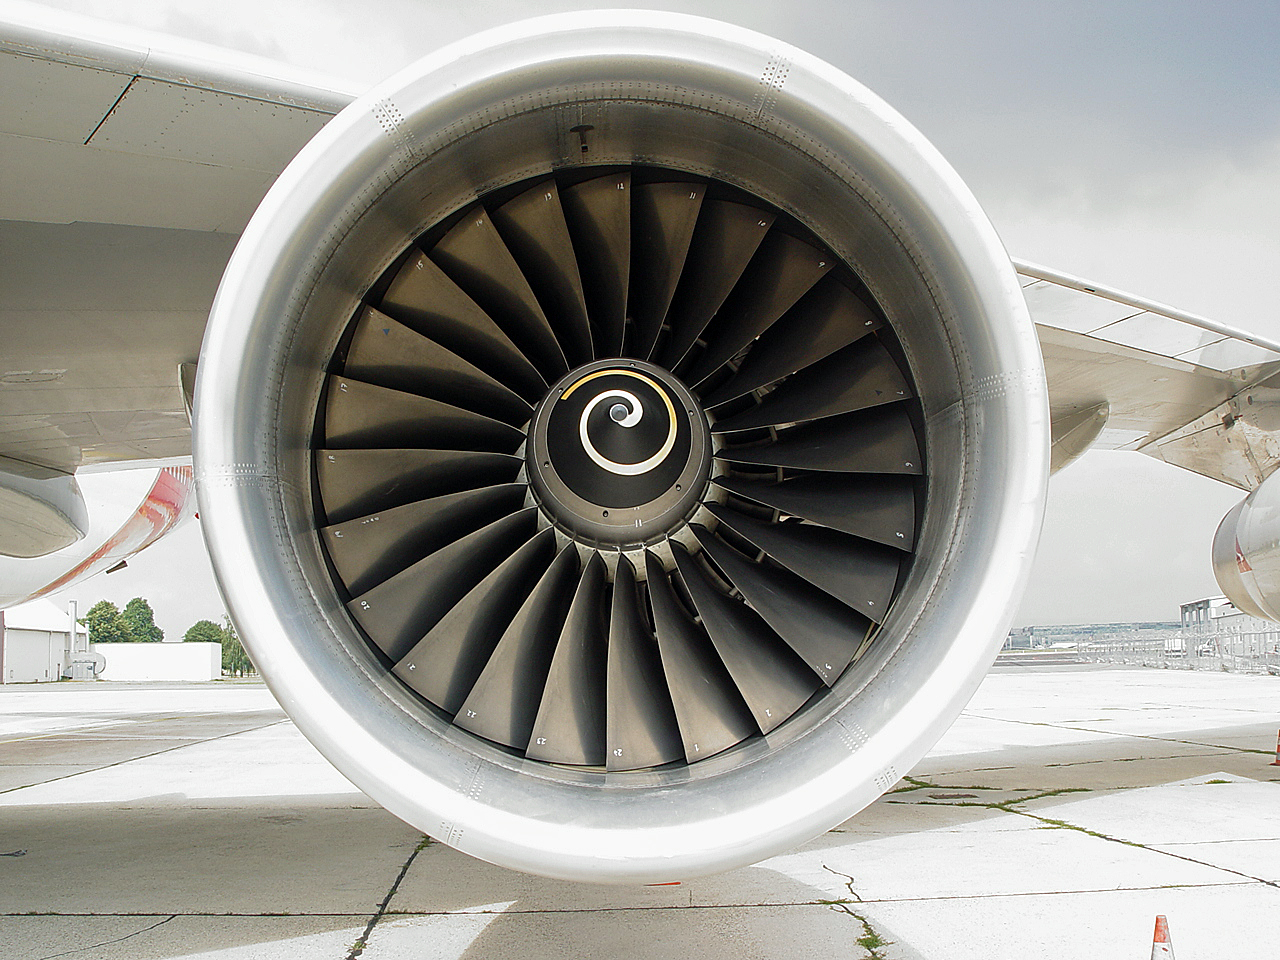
<point>1246,553</point>
<point>688,94</point>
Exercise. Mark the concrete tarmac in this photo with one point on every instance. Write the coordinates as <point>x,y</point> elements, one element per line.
<point>1062,812</point>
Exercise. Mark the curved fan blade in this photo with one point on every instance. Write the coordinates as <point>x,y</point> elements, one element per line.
<point>781,272</point>
<point>386,353</point>
<point>473,254</point>
<point>881,440</point>
<point>570,727</point>
<point>879,508</point>
<point>825,632</point>
<point>859,574</point>
<point>772,679</point>
<point>724,241</point>
<point>445,664</point>
<point>373,548</point>
<point>423,297</point>
<point>534,229</point>
<point>599,216</point>
<point>363,415</point>
<point>664,217</point>
<point>398,612</point>
<point>355,483</point>
<point>640,721</point>
<point>859,376</point>
<point>503,704</point>
<point>710,712</point>
<point>828,318</point>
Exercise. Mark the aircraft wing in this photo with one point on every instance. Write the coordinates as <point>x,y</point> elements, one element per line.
<point>133,163</point>
<point>141,158</point>
<point>1126,373</point>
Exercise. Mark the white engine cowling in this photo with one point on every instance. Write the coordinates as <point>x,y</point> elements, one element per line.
<point>462,268</point>
<point>1246,552</point>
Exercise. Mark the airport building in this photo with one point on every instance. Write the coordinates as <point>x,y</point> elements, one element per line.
<point>35,642</point>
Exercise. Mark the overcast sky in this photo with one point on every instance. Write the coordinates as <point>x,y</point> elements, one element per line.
<point>1137,144</point>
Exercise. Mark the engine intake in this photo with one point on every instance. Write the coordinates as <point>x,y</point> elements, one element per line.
<point>621,441</point>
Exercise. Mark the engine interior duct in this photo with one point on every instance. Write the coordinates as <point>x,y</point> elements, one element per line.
<point>621,443</point>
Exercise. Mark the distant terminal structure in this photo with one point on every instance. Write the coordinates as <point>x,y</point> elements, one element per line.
<point>1210,633</point>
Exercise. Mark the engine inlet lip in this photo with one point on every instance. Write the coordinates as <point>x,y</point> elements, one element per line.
<point>955,304</point>
<point>610,524</point>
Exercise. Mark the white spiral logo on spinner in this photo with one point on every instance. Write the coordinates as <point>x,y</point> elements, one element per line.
<point>635,411</point>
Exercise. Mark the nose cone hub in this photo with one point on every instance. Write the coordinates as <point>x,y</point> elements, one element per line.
<point>619,452</point>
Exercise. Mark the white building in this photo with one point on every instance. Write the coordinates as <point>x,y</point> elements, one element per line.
<point>35,644</point>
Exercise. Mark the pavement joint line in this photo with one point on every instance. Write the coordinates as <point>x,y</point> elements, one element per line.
<point>145,756</point>
<point>107,943</point>
<point>871,941</point>
<point>362,941</point>
<point>1121,733</point>
<point>1175,756</point>
<point>102,722</point>
<point>1064,824</point>
<point>817,902</point>
<point>1011,806</point>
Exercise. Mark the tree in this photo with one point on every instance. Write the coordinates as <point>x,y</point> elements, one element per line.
<point>106,624</point>
<point>203,631</point>
<point>140,622</point>
<point>235,661</point>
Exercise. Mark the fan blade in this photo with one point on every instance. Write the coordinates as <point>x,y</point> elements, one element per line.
<point>534,229</point>
<point>782,271</point>
<point>859,574</point>
<point>882,509</point>
<point>665,215</point>
<point>424,298</point>
<point>371,549</point>
<point>724,241</point>
<point>858,377</point>
<point>570,727</point>
<point>398,612</point>
<point>830,317</point>
<point>881,440</point>
<point>445,664</point>
<point>389,354</point>
<point>772,679</point>
<point>599,215</point>
<point>355,483</point>
<point>473,254</point>
<point>640,722</point>
<point>711,714</point>
<point>820,628</point>
<point>363,415</point>
<point>503,704</point>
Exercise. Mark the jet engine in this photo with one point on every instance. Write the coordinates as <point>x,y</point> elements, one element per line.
<point>1246,552</point>
<point>621,442</point>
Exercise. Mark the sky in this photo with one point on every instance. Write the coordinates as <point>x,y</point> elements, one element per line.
<point>1133,143</point>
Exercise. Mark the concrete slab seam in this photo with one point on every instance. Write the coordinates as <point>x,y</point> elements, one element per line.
<point>146,756</point>
<point>362,941</point>
<point>107,943</point>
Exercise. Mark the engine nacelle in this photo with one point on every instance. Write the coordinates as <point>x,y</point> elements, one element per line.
<point>622,442</point>
<point>1246,552</point>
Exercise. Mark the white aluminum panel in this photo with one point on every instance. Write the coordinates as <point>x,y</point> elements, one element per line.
<point>63,183</point>
<point>1229,355</point>
<point>1114,438</point>
<point>161,119</point>
<point>1160,335</point>
<point>1067,309</point>
<point>54,101</point>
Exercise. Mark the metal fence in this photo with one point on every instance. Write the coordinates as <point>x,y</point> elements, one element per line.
<point>1186,650</point>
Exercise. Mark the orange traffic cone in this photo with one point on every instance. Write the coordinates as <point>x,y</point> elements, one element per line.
<point>1161,948</point>
<point>1276,761</point>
